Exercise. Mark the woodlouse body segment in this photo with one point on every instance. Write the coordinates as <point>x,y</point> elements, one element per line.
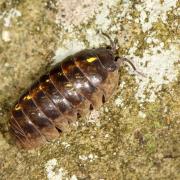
<point>76,85</point>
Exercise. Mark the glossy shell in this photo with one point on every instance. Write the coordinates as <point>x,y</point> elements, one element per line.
<point>72,88</point>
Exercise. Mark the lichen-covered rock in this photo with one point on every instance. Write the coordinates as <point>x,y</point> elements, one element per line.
<point>136,134</point>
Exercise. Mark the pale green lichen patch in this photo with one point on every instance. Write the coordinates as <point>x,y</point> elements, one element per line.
<point>133,136</point>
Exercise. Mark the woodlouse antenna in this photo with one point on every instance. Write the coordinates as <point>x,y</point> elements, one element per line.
<point>132,65</point>
<point>112,43</point>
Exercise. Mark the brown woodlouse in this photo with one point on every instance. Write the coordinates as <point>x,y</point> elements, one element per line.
<point>73,87</point>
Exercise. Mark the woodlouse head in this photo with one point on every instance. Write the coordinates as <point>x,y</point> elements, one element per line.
<point>114,56</point>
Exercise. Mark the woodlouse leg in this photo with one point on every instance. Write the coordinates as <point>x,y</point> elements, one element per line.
<point>62,124</point>
<point>18,131</point>
<point>91,107</point>
<point>103,99</point>
<point>18,138</point>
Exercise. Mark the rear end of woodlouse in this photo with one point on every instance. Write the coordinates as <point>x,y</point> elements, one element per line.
<point>72,88</point>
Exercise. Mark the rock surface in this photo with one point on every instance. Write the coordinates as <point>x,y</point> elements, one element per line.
<point>133,136</point>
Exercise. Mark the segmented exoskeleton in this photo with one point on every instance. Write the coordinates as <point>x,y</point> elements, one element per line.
<point>79,83</point>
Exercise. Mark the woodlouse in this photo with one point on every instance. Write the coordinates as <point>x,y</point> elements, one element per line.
<point>79,83</point>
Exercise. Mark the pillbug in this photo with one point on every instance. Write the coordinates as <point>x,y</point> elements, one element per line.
<point>73,87</point>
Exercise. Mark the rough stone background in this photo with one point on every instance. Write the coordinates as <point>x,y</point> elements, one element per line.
<point>136,134</point>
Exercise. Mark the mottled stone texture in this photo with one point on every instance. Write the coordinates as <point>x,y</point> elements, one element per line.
<point>133,136</point>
